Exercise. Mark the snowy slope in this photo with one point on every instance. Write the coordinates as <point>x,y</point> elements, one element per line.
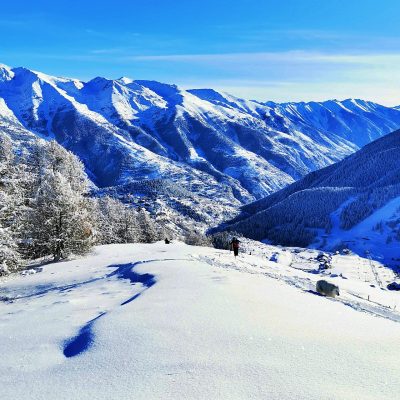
<point>11,126</point>
<point>377,234</point>
<point>356,120</point>
<point>126,130</point>
<point>353,203</point>
<point>157,321</point>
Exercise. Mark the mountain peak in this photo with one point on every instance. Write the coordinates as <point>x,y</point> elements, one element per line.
<point>209,95</point>
<point>29,75</point>
<point>165,90</point>
<point>98,84</point>
<point>6,73</point>
<point>124,80</point>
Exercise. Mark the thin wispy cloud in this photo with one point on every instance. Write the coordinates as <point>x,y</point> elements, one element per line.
<point>280,76</point>
<point>318,37</point>
<point>115,50</point>
<point>294,56</point>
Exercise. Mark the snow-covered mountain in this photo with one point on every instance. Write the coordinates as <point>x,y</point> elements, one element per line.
<point>354,203</point>
<point>207,142</point>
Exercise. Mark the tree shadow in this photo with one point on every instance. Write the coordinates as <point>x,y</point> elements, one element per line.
<point>85,337</point>
<point>82,341</point>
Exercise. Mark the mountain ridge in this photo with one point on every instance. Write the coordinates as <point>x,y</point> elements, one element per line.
<point>127,130</point>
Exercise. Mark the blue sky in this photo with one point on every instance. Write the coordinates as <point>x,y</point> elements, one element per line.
<point>267,50</point>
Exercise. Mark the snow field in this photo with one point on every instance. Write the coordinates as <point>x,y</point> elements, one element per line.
<point>202,326</point>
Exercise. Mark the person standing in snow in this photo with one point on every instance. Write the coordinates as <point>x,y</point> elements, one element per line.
<point>234,245</point>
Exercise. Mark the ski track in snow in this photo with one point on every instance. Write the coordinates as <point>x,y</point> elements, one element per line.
<point>349,298</point>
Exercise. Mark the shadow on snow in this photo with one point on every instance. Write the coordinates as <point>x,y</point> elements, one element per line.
<point>85,337</point>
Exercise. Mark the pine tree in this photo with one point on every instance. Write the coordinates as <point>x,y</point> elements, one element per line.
<point>59,220</point>
<point>195,238</point>
<point>11,201</point>
<point>130,226</point>
<point>118,223</point>
<point>147,227</point>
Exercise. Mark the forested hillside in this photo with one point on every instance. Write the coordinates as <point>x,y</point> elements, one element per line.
<point>335,199</point>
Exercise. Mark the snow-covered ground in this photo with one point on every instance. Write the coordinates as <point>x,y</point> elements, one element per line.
<point>179,322</point>
<point>365,238</point>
